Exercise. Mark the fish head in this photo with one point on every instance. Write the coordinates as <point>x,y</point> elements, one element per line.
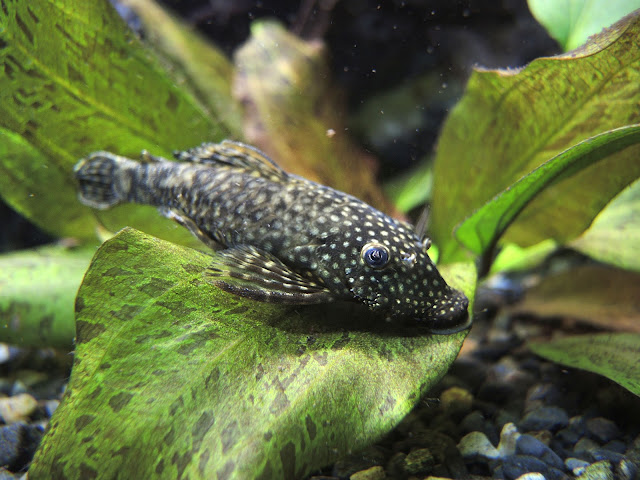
<point>385,265</point>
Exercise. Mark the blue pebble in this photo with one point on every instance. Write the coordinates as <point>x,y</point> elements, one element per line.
<point>599,454</point>
<point>529,445</point>
<point>544,418</point>
<point>575,463</point>
<point>602,429</point>
<point>517,465</point>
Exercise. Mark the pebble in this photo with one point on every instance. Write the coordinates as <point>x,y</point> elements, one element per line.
<point>602,429</point>
<point>508,439</point>
<point>476,445</point>
<point>545,418</point>
<point>418,461</point>
<point>18,443</point>
<point>541,394</point>
<point>50,406</point>
<point>576,465</point>
<point>531,476</point>
<point>616,446</point>
<point>598,454</point>
<point>528,445</point>
<point>517,465</point>
<point>373,473</point>
<point>456,401</point>
<point>597,471</point>
<point>18,407</point>
<point>585,445</point>
<point>364,460</point>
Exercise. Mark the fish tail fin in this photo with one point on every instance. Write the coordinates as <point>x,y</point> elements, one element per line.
<point>97,180</point>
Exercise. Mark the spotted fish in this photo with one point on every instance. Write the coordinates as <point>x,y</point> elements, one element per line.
<point>281,237</point>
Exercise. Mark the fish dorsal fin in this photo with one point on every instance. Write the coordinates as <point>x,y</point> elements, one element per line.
<point>234,154</point>
<point>251,272</point>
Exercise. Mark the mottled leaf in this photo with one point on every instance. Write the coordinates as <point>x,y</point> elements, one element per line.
<point>614,236</point>
<point>510,122</point>
<point>482,230</point>
<point>75,80</point>
<point>572,22</point>
<point>613,355</point>
<point>292,112</point>
<point>596,294</point>
<point>37,291</point>
<point>192,61</point>
<point>174,378</point>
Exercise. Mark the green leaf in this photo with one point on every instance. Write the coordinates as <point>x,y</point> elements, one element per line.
<point>37,292</point>
<point>572,22</point>
<point>411,189</point>
<point>481,231</point>
<point>512,257</point>
<point>76,80</point>
<point>596,294</point>
<point>192,61</point>
<point>174,378</point>
<point>613,355</point>
<point>614,236</point>
<point>510,122</point>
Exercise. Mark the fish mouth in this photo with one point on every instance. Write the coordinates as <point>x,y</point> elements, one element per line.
<point>452,317</point>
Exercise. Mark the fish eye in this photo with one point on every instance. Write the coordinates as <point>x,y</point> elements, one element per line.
<point>375,255</point>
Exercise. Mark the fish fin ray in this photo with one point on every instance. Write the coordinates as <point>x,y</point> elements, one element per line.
<point>236,155</point>
<point>191,226</point>
<point>251,272</point>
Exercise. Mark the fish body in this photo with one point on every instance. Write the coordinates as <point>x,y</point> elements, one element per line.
<point>281,237</point>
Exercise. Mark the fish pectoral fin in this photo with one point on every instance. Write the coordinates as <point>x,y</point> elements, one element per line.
<point>253,273</point>
<point>236,155</point>
<point>192,227</point>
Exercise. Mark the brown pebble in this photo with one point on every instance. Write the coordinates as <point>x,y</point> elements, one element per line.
<point>18,407</point>
<point>373,473</point>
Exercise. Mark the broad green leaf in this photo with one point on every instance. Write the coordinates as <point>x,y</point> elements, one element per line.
<point>193,62</point>
<point>174,378</point>
<point>37,292</point>
<point>411,189</point>
<point>292,112</point>
<point>596,294</point>
<point>572,22</point>
<point>510,122</point>
<point>75,80</point>
<point>481,231</point>
<point>512,257</point>
<point>614,236</point>
<point>613,355</point>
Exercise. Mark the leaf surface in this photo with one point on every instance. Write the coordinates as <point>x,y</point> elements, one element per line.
<point>614,236</point>
<point>76,80</point>
<point>174,378</point>
<point>613,355</point>
<point>294,115</point>
<point>572,22</point>
<point>484,227</point>
<point>37,291</point>
<point>510,122</point>
<point>597,294</point>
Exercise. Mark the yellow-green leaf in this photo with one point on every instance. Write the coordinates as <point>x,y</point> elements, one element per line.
<point>509,122</point>
<point>76,80</point>
<point>613,355</point>
<point>174,378</point>
<point>37,292</point>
